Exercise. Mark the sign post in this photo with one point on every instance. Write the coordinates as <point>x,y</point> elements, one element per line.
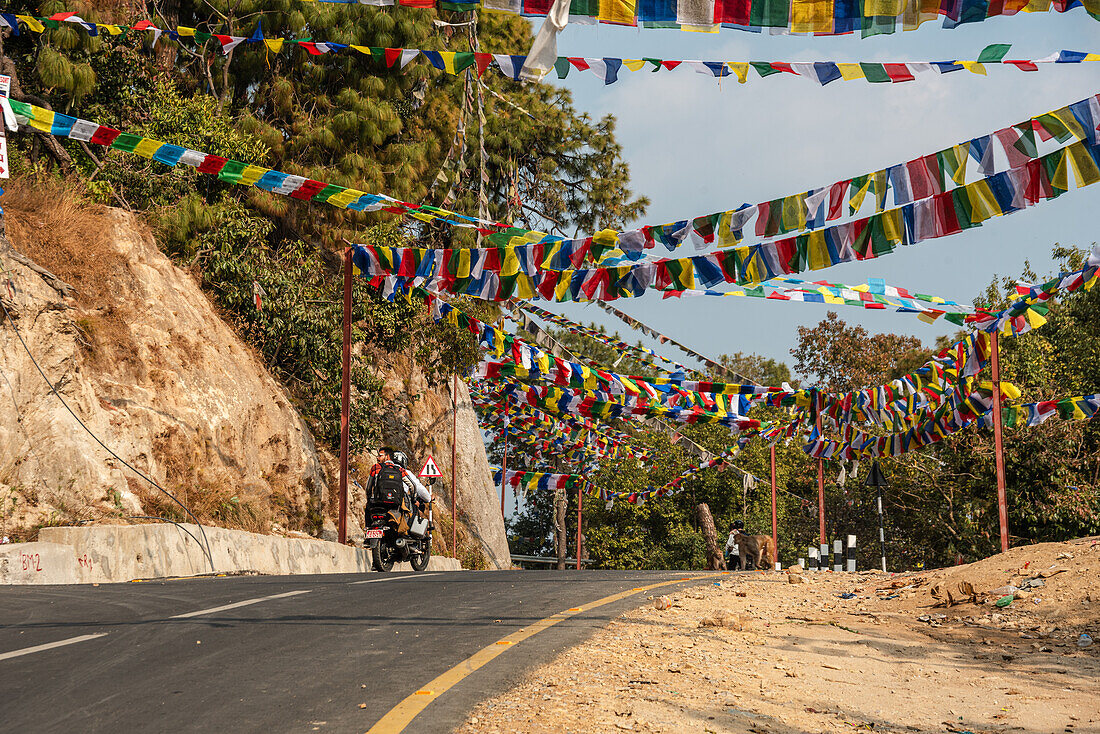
<point>430,470</point>
<point>5,91</point>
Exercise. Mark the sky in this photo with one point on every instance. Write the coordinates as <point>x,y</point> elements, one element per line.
<point>696,144</point>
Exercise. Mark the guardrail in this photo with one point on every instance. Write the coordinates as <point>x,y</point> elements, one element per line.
<point>569,562</point>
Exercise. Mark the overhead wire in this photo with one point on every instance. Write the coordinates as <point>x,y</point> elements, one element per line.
<point>53,389</point>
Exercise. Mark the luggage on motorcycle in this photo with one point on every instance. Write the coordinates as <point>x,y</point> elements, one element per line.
<point>419,527</point>
<point>389,486</point>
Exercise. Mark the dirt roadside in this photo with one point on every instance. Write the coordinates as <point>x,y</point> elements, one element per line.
<point>760,653</point>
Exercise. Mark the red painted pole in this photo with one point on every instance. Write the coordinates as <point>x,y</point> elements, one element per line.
<point>345,403</point>
<point>998,445</point>
<point>820,478</point>
<point>454,469</point>
<point>580,501</point>
<point>775,519</point>
<point>504,463</point>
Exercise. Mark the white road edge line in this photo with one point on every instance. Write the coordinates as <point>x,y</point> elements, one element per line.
<point>239,604</point>
<point>395,578</point>
<point>48,646</point>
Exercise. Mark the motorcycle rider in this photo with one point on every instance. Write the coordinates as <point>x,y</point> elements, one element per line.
<point>421,495</point>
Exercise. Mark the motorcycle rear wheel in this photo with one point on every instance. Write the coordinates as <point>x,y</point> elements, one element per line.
<point>419,561</point>
<point>382,556</point>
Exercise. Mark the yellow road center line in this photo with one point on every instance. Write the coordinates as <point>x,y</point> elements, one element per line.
<point>401,715</point>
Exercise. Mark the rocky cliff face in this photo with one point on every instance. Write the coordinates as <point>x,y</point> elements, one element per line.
<point>143,359</point>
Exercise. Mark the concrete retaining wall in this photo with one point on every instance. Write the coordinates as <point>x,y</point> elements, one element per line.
<point>115,553</point>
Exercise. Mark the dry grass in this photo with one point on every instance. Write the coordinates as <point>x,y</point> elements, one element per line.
<point>49,223</point>
<point>214,496</point>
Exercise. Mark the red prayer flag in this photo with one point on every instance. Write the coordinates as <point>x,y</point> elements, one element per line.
<point>898,72</point>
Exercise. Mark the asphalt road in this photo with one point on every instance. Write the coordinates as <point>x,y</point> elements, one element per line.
<point>187,655</point>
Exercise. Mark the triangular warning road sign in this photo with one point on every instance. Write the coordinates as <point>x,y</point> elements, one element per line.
<point>430,469</point>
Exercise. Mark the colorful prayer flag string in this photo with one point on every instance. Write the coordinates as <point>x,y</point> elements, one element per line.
<point>774,17</point>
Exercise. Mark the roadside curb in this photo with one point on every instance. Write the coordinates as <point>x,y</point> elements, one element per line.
<point>120,553</point>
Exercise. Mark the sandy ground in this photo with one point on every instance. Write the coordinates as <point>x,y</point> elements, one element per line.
<point>797,657</point>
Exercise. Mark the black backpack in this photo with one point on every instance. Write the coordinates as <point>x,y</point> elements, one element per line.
<point>389,485</point>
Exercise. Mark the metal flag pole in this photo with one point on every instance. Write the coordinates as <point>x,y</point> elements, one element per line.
<point>775,520</point>
<point>454,468</point>
<point>998,444</point>
<point>504,462</point>
<point>820,476</point>
<point>345,402</point>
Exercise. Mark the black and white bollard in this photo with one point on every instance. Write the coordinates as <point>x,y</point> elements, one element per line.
<point>881,532</point>
<point>824,557</point>
<point>802,563</point>
<point>838,555</point>
<point>851,554</point>
<point>813,558</point>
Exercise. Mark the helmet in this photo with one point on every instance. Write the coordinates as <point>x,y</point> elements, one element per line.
<point>737,525</point>
<point>400,459</point>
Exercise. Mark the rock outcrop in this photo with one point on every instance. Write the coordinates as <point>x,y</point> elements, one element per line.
<point>143,359</point>
<point>159,378</point>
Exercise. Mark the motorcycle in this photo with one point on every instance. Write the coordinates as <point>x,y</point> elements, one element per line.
<point>395,533</point>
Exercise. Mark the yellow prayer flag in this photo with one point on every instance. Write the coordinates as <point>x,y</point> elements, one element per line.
<point>882,8</point>
<point>811,16</point>
<point>274,45</point>
<point>855,201</point>
<point>893,226</point>
<point>341,200</point>
<point>850,72</point>
<point>973,66</point>
<point>525,289</point>
<point>32,23</point>
<point>634,64</point>
<point>606,238</point>
<point>740,68</point>
<point>617,11</point>
<point>1035,318</point>
<point>549,253</point>
<point>365,50</point>
<point>561,289</point>
<point>462,269</point>
<point>959,153</point>
<point>1084,167</point>
<point>510,263</point>
<point>817,251</point>
<point>880,185</point>
<point>927,317</point>
<point>185,31</point>
<point>983,204</point>
<point>42,119</point>
<point>793,212</point>
<point>146,147</point>
<point>112,30</point>
<point>1066,117</point>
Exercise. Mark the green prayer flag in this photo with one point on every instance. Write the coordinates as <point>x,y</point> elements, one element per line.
<point>763,68</point>
<point>126,142</point>
<point>231,171</point>
<point>993,53</point>
<point>1054,126</point>
<point>874,72</point>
